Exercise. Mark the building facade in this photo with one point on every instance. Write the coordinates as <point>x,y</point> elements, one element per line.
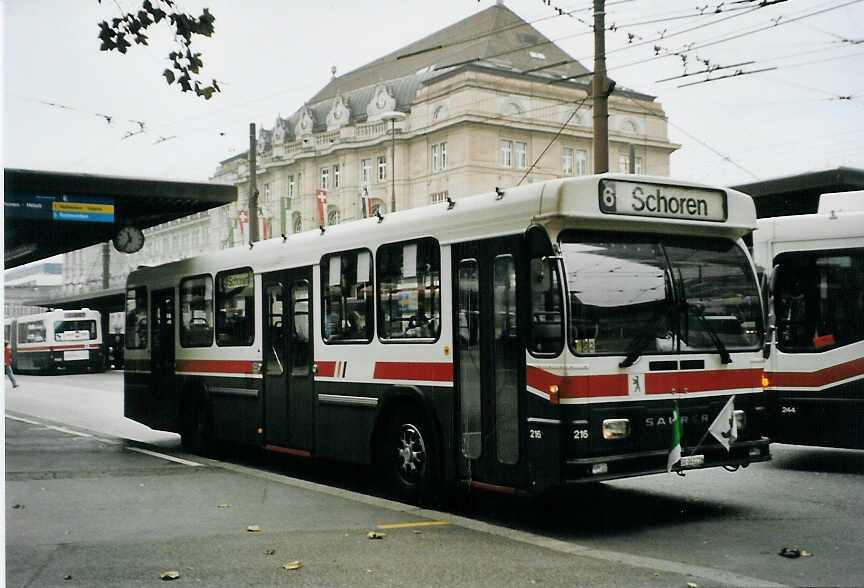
<point>487,102</point>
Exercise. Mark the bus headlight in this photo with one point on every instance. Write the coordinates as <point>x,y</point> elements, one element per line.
<point>616,428</point>
<point>740,419</point>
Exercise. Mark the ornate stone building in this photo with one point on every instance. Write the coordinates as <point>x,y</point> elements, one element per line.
<point>488,101</point>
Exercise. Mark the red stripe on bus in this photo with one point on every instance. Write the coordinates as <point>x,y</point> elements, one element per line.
<point>54,348</point>
<point>326,369</point>
<point>702,381</point>
<point>220,366</point>
<point>492,487</point>
<point>823,377</point>
<point>577,386</point>
<point>289,451</point>
<point>421,371</point>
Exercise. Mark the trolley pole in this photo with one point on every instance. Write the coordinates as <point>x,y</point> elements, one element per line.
<point>253,185</point>
<point>600,90</point>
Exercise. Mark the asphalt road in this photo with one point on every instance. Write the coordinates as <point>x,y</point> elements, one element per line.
<point>711,527</point>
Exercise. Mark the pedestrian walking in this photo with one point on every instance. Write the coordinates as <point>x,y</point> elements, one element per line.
<point>9,372</point>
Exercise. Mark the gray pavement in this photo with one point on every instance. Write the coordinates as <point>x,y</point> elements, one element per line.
<point>89,510</point>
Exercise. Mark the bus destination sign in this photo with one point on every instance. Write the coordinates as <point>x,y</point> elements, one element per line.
<point>644,199</point>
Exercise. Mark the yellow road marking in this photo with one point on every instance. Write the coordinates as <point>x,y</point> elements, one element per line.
<point>417,524</point>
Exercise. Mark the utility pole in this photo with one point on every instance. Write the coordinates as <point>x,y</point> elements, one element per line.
<point>600,90</point>
<point>106,265</point>
<point>253,185</point>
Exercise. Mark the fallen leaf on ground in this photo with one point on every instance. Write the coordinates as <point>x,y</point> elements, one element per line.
<point>375,535</point>
<point>292,565</point>
<point>793,552</point>
<point>18,506</point>
<point>172,575</point>
<point>270,551</point>
<point>253,528</point>
<point>692,585</point>
<point>223,506</point>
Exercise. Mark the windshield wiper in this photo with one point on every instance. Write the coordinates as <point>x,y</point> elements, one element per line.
<point>647,335</point>
<point>699,312</point>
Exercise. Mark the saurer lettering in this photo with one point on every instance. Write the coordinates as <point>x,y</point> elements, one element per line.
<point>662,204</point>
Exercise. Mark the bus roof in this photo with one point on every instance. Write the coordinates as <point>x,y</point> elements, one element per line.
<point>557,204</point>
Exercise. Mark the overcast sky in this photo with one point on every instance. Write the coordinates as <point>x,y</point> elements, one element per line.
<point>270,56</point>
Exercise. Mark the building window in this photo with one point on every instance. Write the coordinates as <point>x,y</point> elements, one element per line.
<point>196,311</point>
<point>638,165</point>
<point>266,192</point>
<point>291,187</point>
<point>624,163</point>
<point>346,288</point>
<point>325,178</point>
<point>521,155</point>
<point>567,161</point>
<point>296,223</point>
<point>333,216</point>
<point>235,300</point>
<point>382,167</point>
<point>336,175</point>
<point>378,206</point>
<point>506,153</point>
<point>580,157</point>
<point>439,157</point>
<point>409,289</point>
<point>364,172</point>
<point>438,197</point>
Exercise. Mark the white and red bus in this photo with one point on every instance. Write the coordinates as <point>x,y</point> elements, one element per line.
<point>518,340</point>
<point>816,368</point>
<point>57,341</point>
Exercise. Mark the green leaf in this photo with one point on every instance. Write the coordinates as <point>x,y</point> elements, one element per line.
<point>169,76</point>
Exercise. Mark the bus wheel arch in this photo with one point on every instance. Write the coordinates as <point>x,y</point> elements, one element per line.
<point>406,446</point>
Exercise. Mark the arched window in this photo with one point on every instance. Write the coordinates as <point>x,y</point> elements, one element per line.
<point>333,216</point>
<point>629,126</point>
<point>511,109</point>
<point>378,206</point>
<point>296,222</point>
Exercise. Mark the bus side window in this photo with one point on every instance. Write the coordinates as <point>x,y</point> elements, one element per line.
<point>409,289</point>
<point>346,296</point>
<point>136,318</point>
<point>196,311</point>
<point>546,310</point>
<point>235,300</point>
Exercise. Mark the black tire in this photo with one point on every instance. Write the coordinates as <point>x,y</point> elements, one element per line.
<point>409,456</point>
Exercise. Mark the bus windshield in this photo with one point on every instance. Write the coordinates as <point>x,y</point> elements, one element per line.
<point>74,330</point>
<point>655,294</point>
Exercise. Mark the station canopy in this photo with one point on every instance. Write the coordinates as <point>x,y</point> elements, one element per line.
<point>48,213</point>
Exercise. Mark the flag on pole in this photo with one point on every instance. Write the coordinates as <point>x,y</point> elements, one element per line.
<point>675,452</point>
<point>724,428</point>
<point>321,196</point>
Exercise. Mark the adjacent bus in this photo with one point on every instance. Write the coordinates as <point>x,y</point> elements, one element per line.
<point>58,341</point>
<point>816,369</point>
<point>518,340</point>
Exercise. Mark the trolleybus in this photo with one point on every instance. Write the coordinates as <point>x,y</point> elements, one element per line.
<point>816,368</point>
<point>57,341</point>
<point>523,339</point>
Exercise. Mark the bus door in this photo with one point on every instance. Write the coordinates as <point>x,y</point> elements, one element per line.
<point>289,396</point>
<point>162,337</point>
<point>488,362</point>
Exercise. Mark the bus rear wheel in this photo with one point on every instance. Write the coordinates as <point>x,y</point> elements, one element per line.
<point>409,456</point>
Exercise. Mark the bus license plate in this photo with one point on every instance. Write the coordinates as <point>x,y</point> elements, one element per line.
<point>73,355</point>
<point>692,461</point>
